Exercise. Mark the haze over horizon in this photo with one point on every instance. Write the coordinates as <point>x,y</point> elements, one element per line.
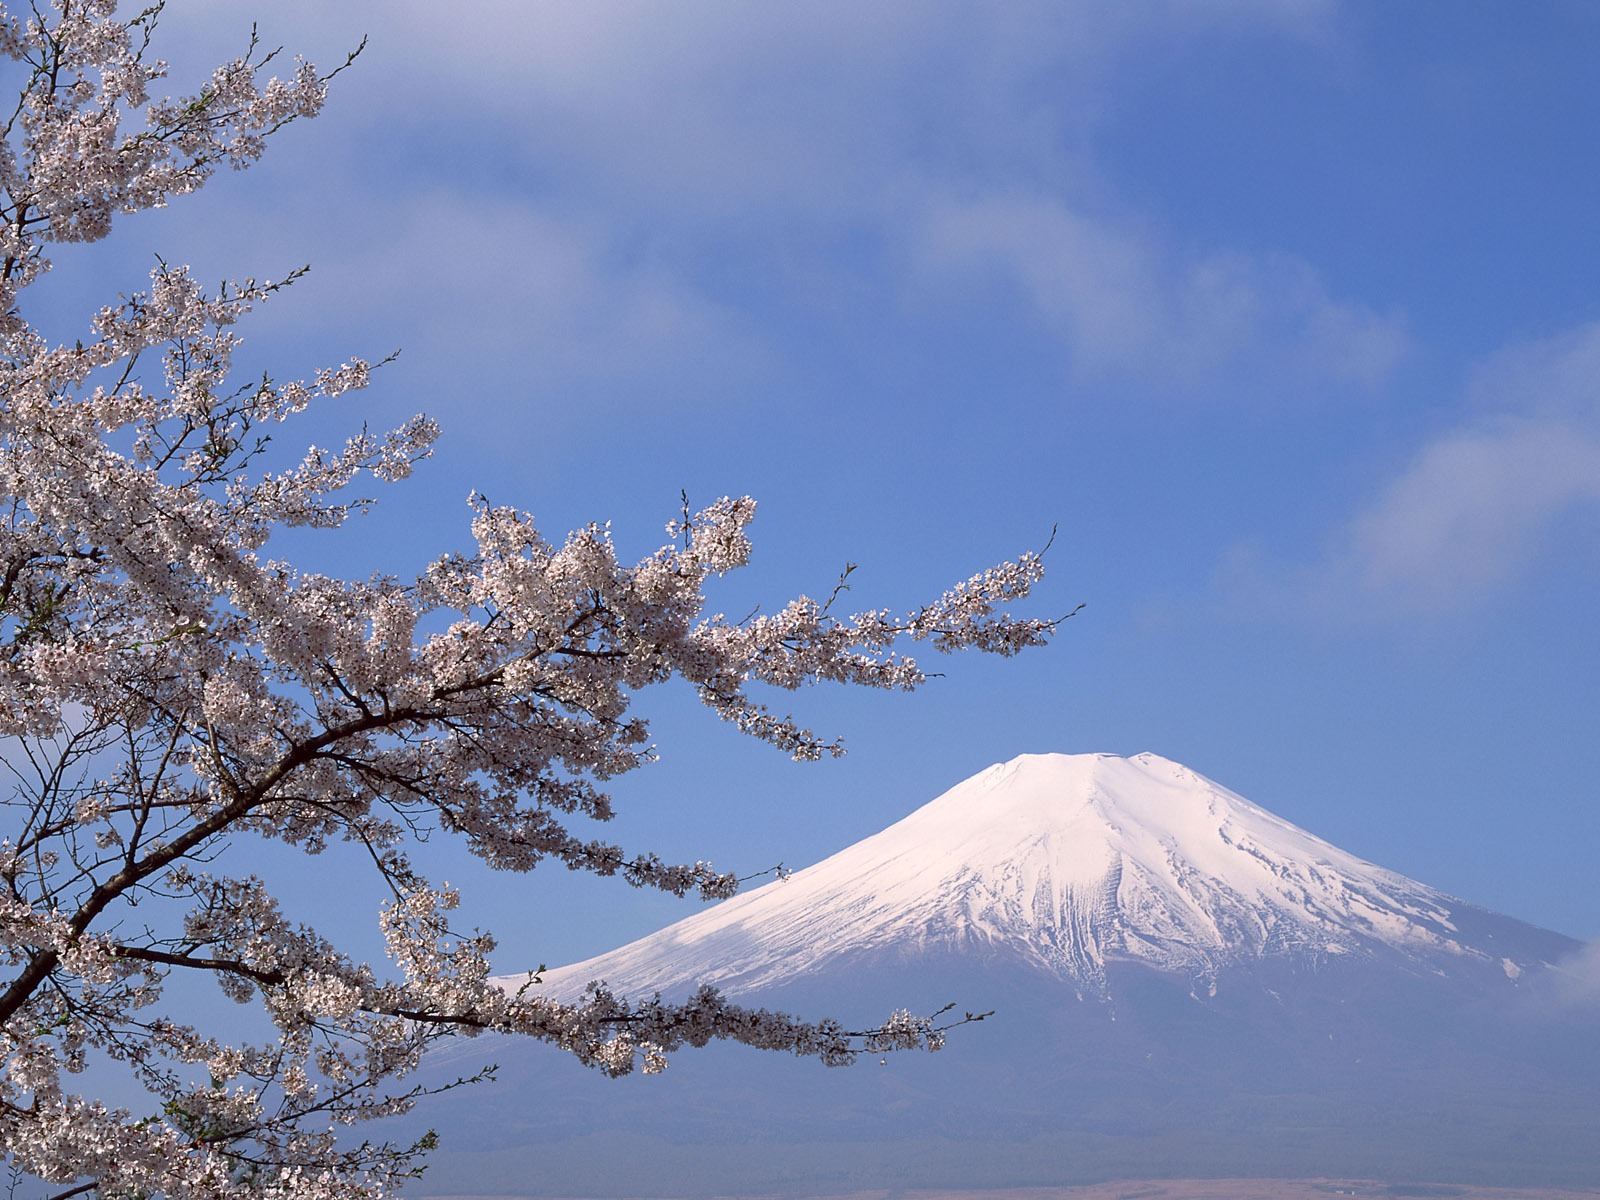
<point>1283,314</point>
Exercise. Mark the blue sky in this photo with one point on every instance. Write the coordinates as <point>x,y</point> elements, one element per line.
<point>1284,314</point>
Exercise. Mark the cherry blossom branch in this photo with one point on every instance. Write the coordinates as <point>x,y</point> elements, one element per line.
<point>171,689</point>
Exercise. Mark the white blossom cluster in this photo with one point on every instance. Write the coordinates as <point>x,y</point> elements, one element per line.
<point>166,687</point>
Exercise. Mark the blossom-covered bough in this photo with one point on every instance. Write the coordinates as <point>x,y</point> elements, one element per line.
<point>167,686</point>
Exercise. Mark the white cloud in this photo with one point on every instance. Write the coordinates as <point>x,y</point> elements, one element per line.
<point>1120,301</point>
<point>490,286</point>
<point>798,109</point>
<point>948,138</point>
<point>1572,983</point>
<point>1476,508</point>
<point>1471,512</point>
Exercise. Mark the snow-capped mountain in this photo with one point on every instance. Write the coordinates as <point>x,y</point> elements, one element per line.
<point>1183,985</point>
<point>1068,863</point>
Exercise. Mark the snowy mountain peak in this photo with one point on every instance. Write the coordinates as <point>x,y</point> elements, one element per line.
<point>1066,863</point>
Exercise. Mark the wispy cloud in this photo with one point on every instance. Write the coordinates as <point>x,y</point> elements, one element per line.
<point>550,293</point>
<point>1121,302</point>
<point>1570,985</point>
<point>950,139</point>
<point>1478,505</point>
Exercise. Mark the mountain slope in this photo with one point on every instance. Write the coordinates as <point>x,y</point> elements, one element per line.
<point>1068,863</point>
<point>1184,985</point>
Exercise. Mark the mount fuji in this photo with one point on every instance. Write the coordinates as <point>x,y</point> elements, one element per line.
<point>1183,985</point>
<point>1067,865</point>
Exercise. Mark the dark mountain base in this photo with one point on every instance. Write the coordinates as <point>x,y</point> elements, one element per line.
<point>1341,1071</point>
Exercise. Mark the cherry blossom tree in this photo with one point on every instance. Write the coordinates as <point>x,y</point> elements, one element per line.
<point>168,687</point>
